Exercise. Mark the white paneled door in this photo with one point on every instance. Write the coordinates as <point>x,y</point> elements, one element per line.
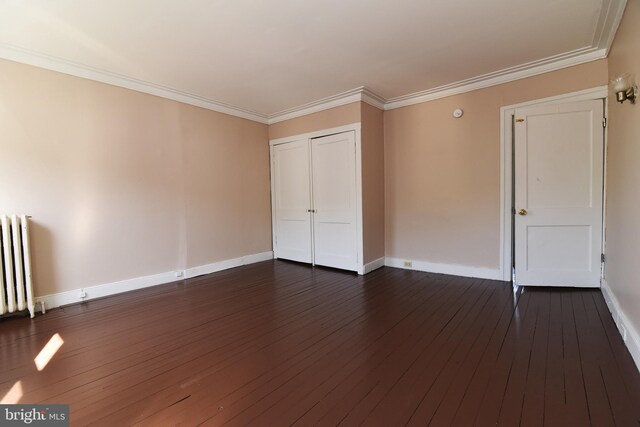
<point>315,201</point>
<point>334,200</point>
<point>559,153</point>
<point>292,201</point>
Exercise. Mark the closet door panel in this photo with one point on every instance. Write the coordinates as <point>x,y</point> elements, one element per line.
<point>292,201</point>
<point>334,200</point>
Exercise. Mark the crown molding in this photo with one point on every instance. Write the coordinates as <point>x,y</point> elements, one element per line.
<point>60,65</point>
<point>506,75</point>
<point>359,94</point>
<point>373,99</point>
<point>608,22</point>
<point>604,33</point>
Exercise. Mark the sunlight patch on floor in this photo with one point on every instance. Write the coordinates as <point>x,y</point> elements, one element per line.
<point>14,395</point>
<point>48,351</point>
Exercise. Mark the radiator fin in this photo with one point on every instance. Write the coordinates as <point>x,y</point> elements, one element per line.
<point>16,286</point>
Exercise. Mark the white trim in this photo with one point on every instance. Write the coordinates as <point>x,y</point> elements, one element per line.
<point>453,269</point>
<point>359,210</point>
<point>99,291</point>
<point>356,129</point>
<point>373,265</point>
<point>226,264</point>
<point>597,92</point>
<point>274,240</point>
<point>604,185</point>
<point>60,65</point>
<point>608,22</point>
<point>604,33</point>
<point>372,98</point>
<point>317,134</point>
<point>629,335</point>
<point>359,94</point>
<point>506,75</point>
<point>498,77</point>
<point>506,166</point>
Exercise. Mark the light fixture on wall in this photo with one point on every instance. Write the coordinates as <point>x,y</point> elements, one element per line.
<point>625,88</point>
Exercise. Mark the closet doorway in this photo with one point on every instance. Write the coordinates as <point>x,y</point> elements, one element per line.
<point>315,200</point>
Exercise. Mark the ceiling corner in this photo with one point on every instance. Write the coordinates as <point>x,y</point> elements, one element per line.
<point>608,23</point>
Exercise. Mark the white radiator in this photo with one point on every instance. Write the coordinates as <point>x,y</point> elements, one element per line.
<point>16,287</point>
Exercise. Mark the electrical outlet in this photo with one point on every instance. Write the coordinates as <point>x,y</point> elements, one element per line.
<point>408,264</point>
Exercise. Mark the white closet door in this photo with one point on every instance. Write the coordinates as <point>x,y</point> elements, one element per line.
<point>292,201</point>
<point>558,200</point>
<point>333,161</point>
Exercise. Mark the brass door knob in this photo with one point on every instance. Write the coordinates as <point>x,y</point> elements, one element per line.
<point>522,212</point>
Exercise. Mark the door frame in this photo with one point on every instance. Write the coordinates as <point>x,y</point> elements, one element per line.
<point>506,168</point>
<point>356,128</point>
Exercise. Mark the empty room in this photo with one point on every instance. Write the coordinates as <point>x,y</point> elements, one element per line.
<point>376,213</point>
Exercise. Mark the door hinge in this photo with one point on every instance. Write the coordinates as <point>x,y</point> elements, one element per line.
<point>603,258</point>
<point>604,122</point>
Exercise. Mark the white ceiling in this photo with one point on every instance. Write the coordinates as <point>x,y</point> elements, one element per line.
<point>264,58</point>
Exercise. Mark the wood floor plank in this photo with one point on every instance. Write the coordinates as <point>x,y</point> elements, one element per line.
<point>468,383</point>
<point>386,368</point>
<point>600,412</point>
<point>519,372</point>
<point>625,410</point>
<point>533,404</point>
<point>274,376</point>
<point>577,408</point>
<point>338,387</point>
<point>144,357</point>
<point>437,352</point>
<point>555,408</point>
<point>281,343</point>
<point>402,398</point>
<point>624,361</point>
<point>277,403</point>
<point>460,364</point>
<point>518,336</point>
<point>281,331</point>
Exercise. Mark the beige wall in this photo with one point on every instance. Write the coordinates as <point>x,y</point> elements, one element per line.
<point>442,175</point>
<point>122,184</point>
<point>623,174</point>
<point>372,135</point>
<point>227,187</point>
<point>333,117</point>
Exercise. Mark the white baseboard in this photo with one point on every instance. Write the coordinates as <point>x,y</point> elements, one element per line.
<point>453,269</point>
<point>629,334</point>
<point>373,265</point>
<point>226,264</point>
<point>74,296</point>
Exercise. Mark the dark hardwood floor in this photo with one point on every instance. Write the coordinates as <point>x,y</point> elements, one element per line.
<point>277,343</point>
